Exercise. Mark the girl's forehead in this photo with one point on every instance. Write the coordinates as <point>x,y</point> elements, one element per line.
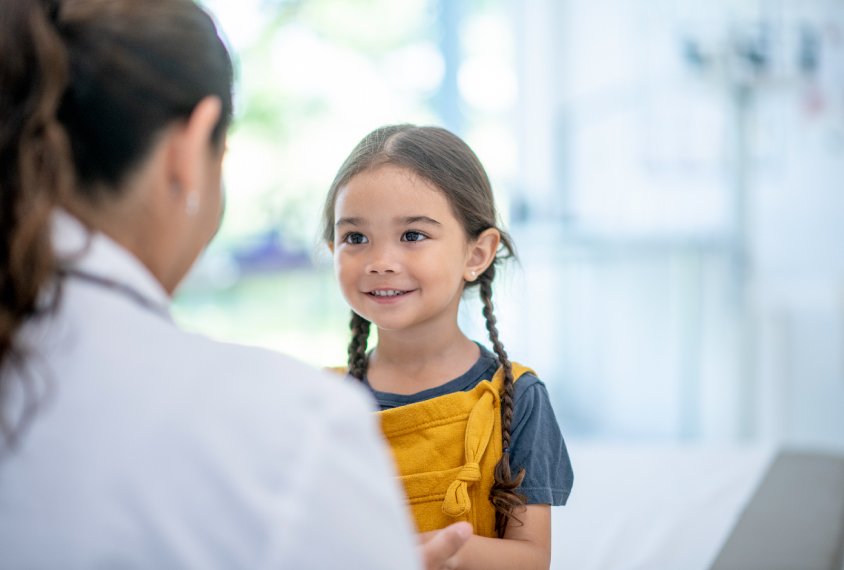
<point>390,188</point>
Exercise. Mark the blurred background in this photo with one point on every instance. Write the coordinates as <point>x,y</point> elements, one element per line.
<point>672,172</point>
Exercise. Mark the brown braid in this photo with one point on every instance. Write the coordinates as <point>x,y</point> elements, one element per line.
<point>504,495</point>
<point>357,347</point>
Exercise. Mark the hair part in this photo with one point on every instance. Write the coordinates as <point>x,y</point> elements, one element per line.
<point>86,87</point>
<point>448,163</point>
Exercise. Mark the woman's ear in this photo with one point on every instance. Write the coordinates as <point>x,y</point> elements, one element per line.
<point>331,247</point>
<point>482,253</point>
<point>193,150</point>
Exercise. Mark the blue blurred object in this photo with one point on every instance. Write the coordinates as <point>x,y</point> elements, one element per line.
<point>267,252</point>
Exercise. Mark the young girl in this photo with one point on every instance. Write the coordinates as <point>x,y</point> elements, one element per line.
<point>411,222</point>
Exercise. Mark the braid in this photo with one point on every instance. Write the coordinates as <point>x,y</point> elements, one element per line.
<point>504,495</point>
<point>357,347</point>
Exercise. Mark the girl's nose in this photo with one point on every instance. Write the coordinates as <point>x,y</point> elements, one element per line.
<point>383,260</point>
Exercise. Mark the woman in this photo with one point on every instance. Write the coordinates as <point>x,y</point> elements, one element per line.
<point>126,442</point>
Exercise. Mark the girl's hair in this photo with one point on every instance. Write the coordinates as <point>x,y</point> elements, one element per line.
<point>445,160</point>
<point>86,87</point>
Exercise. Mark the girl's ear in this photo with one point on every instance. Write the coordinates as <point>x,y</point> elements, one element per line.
<point>481,253</point>
<point>331,246</point>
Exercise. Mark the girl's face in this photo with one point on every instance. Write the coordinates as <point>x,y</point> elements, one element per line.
<point>400,255</point>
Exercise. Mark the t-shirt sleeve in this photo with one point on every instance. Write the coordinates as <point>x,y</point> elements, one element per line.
<point>537,445</point>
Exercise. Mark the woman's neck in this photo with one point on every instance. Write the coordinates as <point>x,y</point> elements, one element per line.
<point>407,362</point>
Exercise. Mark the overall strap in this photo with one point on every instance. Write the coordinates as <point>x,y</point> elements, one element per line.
<point>478,432</point>
<point>518,372</point>
<point>479,429</point>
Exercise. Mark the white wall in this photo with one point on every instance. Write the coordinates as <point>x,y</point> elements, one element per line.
<point>630,303</point>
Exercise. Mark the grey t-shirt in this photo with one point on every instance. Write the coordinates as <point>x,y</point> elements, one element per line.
<point>536,443</point>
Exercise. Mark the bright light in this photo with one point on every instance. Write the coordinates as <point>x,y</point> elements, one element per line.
<point>417,67</point>
<point>488,84</point>
<point>239,22</point>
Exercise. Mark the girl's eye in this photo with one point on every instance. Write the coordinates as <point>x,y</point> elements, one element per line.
<point>355,238</point>
<point>413,236</point>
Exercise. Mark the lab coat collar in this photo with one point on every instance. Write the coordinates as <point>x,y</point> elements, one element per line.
<point>94,254</point>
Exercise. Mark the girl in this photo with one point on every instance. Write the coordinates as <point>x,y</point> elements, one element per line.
<point>411,222</point>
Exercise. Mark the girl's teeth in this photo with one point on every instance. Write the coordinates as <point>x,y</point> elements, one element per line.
<point>387,293</point>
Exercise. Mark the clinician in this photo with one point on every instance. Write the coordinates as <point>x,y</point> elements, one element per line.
<point>127,443</point>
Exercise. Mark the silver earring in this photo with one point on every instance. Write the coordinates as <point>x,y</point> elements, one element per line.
<point>192,203</point>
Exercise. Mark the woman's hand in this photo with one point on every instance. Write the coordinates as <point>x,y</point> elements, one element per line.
<point>439,547</point>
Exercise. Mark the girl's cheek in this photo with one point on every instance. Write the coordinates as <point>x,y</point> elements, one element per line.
<point>347,276</point>
<point>341,264</point>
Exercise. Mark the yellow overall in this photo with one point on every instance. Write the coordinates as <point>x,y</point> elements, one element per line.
<point>446,449</point>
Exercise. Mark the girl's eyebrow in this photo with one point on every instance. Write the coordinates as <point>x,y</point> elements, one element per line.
<point>350,222</point>
<point>406,221</point>
<point>417,219</point>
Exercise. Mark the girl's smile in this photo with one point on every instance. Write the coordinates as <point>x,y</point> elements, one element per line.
<point>388,295</point>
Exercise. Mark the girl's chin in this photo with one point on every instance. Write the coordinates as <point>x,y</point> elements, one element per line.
<point>389,323</point>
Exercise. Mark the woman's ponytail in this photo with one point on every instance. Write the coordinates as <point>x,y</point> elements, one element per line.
<point>35,170</point>
<point>86,87</point>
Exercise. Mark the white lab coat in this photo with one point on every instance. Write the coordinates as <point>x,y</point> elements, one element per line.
<point>155,448</point>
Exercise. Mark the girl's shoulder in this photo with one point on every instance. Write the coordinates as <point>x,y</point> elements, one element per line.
<point>529,388</point>
<point>528,380</point>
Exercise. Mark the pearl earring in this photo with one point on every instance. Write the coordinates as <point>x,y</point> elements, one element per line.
<point>473,274</point>
<point>192,203</point>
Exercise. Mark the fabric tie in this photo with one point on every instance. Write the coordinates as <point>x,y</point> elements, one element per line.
<point>478,432</point>
<point>457,502</point>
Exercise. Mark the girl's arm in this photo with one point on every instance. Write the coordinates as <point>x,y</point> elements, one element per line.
<point>526,546</point>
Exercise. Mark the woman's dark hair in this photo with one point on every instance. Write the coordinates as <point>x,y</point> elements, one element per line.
<point>86,87</point>
<point>443,159</point>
